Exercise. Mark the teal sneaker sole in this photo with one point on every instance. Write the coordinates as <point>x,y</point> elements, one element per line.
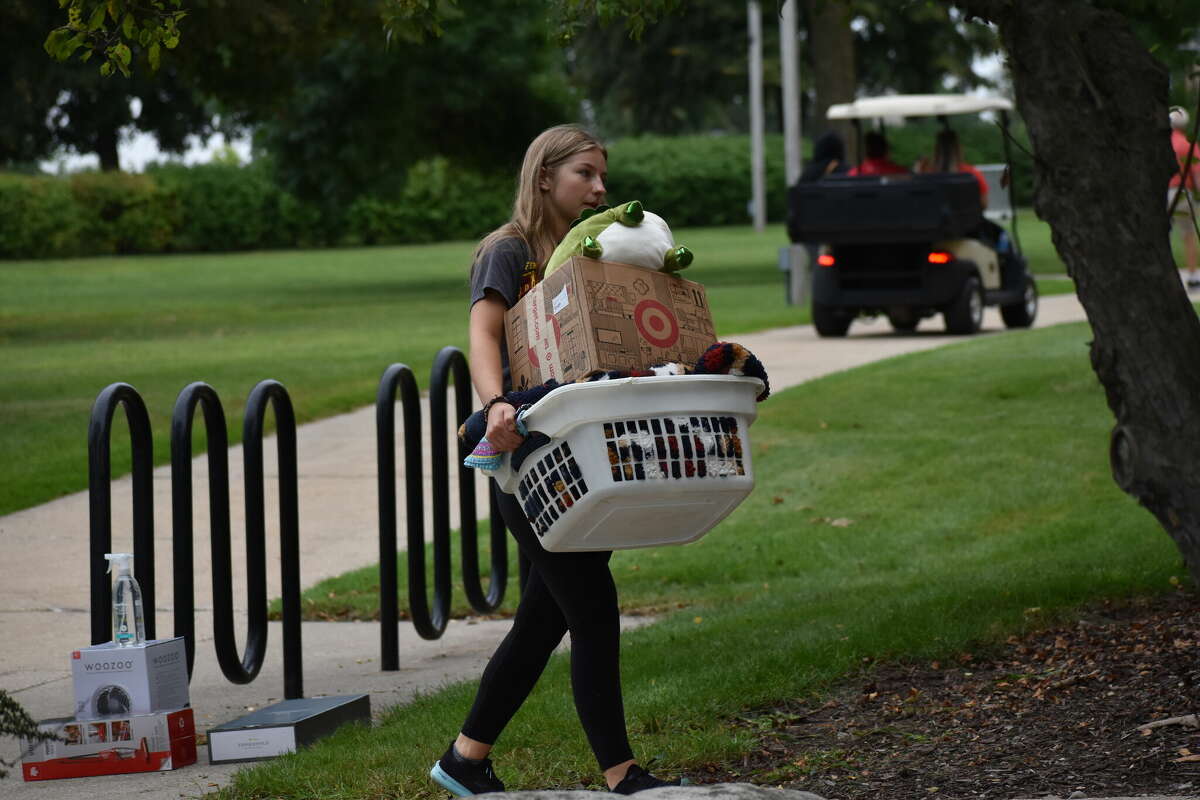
<point>441,778</point>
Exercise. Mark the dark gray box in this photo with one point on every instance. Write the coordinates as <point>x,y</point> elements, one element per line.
<point>284,727</point>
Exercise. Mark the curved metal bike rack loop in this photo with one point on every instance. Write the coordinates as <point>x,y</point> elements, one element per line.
<point>183,556</point>
<point>451,360</point>
<point>100,504</point>
<point>399,379</point>
<point>265,392</point>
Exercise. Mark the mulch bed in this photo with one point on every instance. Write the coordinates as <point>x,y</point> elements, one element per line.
<point>1053,714</point>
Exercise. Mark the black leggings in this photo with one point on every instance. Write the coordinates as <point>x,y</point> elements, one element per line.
<point>563,592</point>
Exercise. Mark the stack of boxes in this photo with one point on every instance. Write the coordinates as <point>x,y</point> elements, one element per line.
<point>131,715</point>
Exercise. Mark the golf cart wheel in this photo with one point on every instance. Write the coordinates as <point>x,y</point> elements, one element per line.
<point>830,321</point>
<point>965,314</point>
<point>903,320</point>
<point>1022,314</point>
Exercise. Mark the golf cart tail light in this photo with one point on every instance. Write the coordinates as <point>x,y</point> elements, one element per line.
<point>939,258</point>
<point>825,260</point>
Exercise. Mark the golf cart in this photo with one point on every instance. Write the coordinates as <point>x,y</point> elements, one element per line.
<point>913,245</point>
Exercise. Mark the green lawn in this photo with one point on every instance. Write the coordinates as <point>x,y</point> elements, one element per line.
<point>325,323</point>
<point>1036,245</point>
<point>912,509</point>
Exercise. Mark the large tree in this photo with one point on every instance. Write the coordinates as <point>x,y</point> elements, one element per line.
<point>1094,99</point>
<point>829,57</point>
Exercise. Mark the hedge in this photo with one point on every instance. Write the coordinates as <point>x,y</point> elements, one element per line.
<point>690,180</point>
<point>695,180</point>
<point>39,218</point>
<point>440,201</point>
<point>123,213</point>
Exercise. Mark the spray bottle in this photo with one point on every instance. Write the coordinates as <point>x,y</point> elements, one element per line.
<point>129,627</point>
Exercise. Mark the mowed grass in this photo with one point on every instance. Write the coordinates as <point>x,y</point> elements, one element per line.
<point>326,323</point>
<point>923,507</point>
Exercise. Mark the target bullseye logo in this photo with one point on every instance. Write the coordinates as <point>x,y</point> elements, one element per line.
<point>656,323</point>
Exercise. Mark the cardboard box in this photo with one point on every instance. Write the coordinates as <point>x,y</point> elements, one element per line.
<point>590,314</point>
<point>284,727</point>
<point>139,679</point>
<point>111,746</point>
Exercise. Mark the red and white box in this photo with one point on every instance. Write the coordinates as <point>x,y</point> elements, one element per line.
<point>156,742</point>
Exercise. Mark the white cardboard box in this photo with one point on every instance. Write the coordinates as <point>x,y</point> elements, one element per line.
<point>139,679</point>
<point>111,746</point>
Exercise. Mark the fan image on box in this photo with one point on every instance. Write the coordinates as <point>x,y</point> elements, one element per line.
<point>636,462</point>
<point>112,701</point>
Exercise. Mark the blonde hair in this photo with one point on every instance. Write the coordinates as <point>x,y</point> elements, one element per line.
<point>947,152</point>
<point>528,222</point>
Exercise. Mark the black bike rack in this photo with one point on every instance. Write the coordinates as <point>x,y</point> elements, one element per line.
<point>429,621</point>
<point>100,504</point>
<point>203,395</point>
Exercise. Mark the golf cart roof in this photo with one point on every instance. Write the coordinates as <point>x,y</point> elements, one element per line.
<point>917,105</point>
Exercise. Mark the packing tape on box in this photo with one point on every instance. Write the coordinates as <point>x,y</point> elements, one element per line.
<point>540,333</point>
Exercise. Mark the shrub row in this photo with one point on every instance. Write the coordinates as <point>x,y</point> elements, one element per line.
<point>695,180</point>
<point>690,180</point>
<point>172,208</point>
<point>440,202</point>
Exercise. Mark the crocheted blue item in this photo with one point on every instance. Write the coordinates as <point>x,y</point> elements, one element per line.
<point>487,458</point>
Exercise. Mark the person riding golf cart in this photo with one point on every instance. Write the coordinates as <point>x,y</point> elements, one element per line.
<point>911,246</point>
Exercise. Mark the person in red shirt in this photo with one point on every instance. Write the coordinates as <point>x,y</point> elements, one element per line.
<point>948,157</point>
<point>877,162</point>
<point>1187,176</point>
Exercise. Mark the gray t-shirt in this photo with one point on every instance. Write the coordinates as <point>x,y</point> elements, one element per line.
<point>507,270</point>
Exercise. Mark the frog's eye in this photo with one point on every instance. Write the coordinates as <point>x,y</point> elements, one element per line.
<point>677,258</point>
<point>591,248</point>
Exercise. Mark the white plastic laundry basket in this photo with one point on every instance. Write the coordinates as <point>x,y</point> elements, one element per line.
<point>636,462</point>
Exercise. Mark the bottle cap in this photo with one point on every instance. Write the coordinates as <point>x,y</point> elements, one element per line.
<point>122,561</point>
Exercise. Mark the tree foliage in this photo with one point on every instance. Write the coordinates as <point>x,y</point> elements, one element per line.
<point>71,105</point>
<point>50,106</point>
<point>112,28</point>
<point>15,721</point>
<point>416,19</point>
<point>917,47</point>
<point>356,116</point>
<point>687,74</point>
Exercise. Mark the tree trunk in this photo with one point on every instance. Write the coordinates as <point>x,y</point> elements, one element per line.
<point>1095,103</point>
<point>831,49</point>
<point>106,149</point>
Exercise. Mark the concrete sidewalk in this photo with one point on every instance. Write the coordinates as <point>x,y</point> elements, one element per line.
<point>44,597</point>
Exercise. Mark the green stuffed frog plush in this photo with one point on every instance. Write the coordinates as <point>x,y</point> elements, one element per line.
<point>626,233</point>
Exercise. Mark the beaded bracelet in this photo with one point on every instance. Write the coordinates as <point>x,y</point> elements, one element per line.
<point>487,407</point>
